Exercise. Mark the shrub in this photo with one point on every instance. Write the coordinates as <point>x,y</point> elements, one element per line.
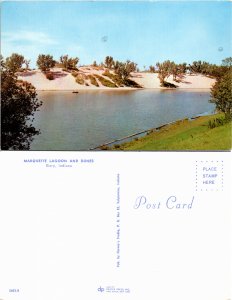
<point>74,74</point>
<point>115,78</point>
<point>107,73</point>
<point>80,79</point>
<point>217,122</point>
<point>45,62</point>
<point>132,83</point>
<point>104,147</point>
<point>69,63</point>
<point>119,82</point>
<point>93,80</point>
<point>168,85</point>
<point>152,69</point>
<point>105,82</point>
<point>117,146</point>
<point>49,76</point>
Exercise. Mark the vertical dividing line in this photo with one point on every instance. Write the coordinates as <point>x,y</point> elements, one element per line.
<point>118,223</point>
<point>196,176</point>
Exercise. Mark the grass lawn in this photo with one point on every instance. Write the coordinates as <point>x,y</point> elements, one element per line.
<point>185,135</point>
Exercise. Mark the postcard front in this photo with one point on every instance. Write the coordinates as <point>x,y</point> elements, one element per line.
<point>116,150</point>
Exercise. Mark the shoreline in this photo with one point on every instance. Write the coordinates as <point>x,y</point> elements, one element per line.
<point>132,137</point>
<point>124,89</point>
<point>90,89</point>
<point>183,135</point>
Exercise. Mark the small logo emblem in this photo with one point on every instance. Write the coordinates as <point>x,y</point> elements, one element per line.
<point>100,289</point>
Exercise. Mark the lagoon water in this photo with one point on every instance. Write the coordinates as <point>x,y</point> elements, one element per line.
<point>85,120</point>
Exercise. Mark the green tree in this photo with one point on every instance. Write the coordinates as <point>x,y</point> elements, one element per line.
<point>18,105</point>
<point>165,69</point>
<point>201,67</point>
<point>94,63</point>
<point>227,62</point>
<point>64,61</point>
<point>207,69</point>
<point>72,63</point>
<point>177,70</point>
<point>69,62</point>
<point>14,62</point>
<point>196,66</point>
<point>221,94</point>
<point>152,69</point>
<point>183,68</point>
<point>174,70</point>
<point>45,62</point>
<point>215,71</point>
<point>27,63</point>
<point>123,70</point>
<point>109,62</point>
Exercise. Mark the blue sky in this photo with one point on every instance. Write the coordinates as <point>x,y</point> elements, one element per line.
<point>145,32</point>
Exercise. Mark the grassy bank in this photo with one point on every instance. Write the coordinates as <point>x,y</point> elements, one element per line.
<point>185,135</point>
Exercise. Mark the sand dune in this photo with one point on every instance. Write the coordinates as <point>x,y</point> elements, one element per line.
<point>65,81</point>
<point>151,80</point>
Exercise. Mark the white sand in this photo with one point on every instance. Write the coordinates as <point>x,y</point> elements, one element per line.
<point>65,81</point>
<point>151,81</point>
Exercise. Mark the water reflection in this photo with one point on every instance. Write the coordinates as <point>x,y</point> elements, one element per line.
<point>82,121</point>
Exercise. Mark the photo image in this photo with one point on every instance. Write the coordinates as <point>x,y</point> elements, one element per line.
<point>116,76</point>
